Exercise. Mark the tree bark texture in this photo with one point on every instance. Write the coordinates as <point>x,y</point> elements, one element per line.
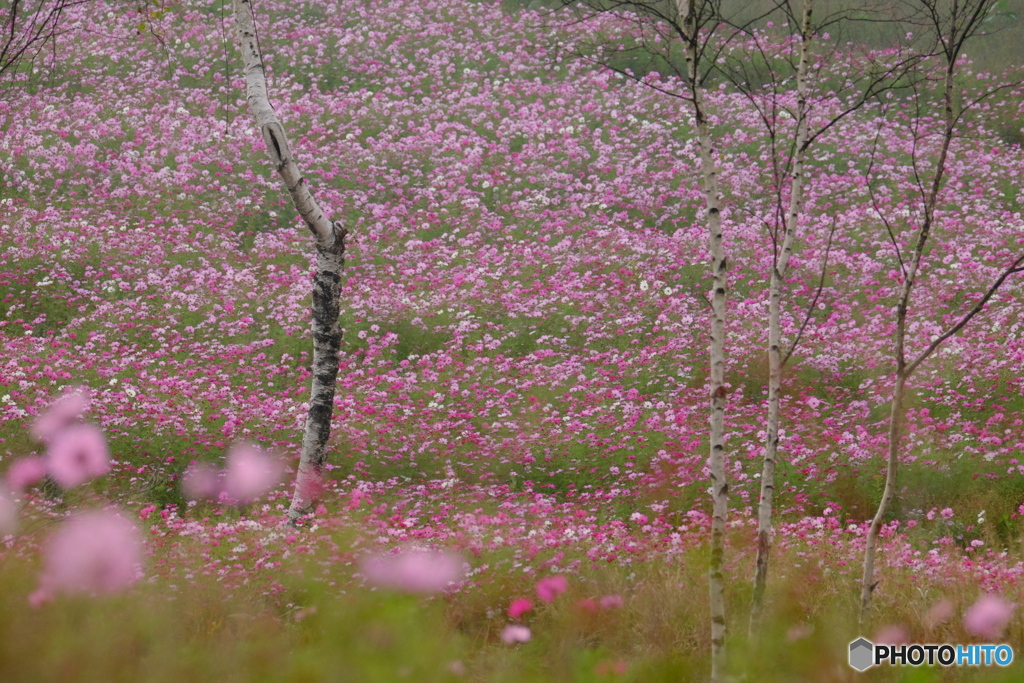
<point>719,270</point>
<point>775,362</point>
<point>329,239</point>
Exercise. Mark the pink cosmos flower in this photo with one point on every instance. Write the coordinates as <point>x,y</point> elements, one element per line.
<point>611,602</point>
<point>519,607</point>
<point>77,454</point>
<point>988,617</point>
<point>515,634</point>
<point>61,414</point>
<point>25,472</point>
<point>416,571</point>
<point>947,513</point>
<point>250,472</point>
<point>201,482</point>
<point>94,552</point>
<point>550,587</point>
<point>357,497</point>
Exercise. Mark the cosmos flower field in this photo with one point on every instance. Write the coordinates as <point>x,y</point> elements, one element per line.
<point>522,399</point>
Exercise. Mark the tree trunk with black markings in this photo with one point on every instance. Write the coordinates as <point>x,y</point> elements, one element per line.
<point>719,271</point>
<point>329,239</point>
<point>775,361</point>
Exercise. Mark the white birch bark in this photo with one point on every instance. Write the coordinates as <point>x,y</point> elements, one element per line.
<point>778,275</point>
<point>712,194</point>
<point>329,239</point>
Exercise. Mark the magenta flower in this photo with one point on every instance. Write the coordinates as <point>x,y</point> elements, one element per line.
<point>550,587</point>
<point>250,472</point>
<point>61,414</point>
<point>416,571</point>
<point>77,454</point>
<point>988,617</point>
<point>25,472</point>
<point>515,634</point>
<point>519,607</point>
<point>95,552</point>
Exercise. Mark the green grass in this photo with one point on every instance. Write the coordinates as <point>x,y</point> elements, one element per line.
<point>315,631</point>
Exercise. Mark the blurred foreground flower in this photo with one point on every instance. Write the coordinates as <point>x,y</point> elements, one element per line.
<point>250,473</point>
<point>611,602</point>
<point>939,613</point>
<point>988,617</point>
<point>415,571</point>
<point>77,454</point>
<point>201,482</point>
<point>95,552</point>
<point>519,607</point>
<point>550,587</point>
<point>24,472</point>
<point>309,484</point>
<point>61,414</point>
<point>515,634</point>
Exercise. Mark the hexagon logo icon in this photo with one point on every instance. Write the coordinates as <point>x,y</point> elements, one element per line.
<point>862,654</point>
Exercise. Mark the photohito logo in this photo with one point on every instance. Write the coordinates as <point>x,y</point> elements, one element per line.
<point>864,654</point>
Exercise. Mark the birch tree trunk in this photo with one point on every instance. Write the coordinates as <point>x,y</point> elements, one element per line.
<point>778,276</point>
<point>712,194</point>
<point>964,22</point>
<point>329,240</point>
<point>903,373</point>
<point>961,26</point>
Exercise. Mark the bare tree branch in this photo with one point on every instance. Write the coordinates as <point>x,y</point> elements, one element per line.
<point>1013,268</point>
<point>814,301</point>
